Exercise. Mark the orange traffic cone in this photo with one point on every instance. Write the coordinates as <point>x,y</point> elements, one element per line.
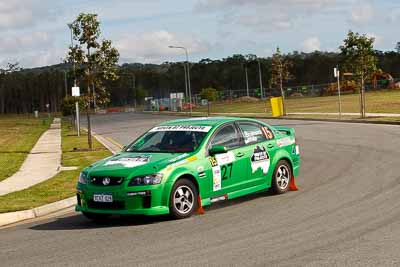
<point>292,185</point>
<point>200,209</point>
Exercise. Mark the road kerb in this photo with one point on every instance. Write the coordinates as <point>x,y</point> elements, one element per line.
<point>16,216</point>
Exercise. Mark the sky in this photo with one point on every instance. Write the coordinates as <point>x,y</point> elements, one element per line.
<point>35,33</point>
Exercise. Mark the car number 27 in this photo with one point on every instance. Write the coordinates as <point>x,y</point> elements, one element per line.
<point>226,171</point>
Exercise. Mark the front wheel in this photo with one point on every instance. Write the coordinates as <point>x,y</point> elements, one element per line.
<point>183,199</point>
<point>281,177</point>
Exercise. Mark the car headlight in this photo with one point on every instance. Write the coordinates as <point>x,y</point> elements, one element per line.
<point>82,178</point>
<point>149,179</point>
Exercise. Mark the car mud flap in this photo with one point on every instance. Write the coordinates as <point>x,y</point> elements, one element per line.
<point>200,209</point>
<point>292,184</point>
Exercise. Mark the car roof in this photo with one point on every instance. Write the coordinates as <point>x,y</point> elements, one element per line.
<point>205,121</point>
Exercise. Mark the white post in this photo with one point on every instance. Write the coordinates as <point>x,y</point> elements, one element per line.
<point>337,75</point>
<point>78,124</point>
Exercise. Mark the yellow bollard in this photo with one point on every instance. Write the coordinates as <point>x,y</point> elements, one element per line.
<point>276,106</point>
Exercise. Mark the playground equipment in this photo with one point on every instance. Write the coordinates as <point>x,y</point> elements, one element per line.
<point>383,79</point>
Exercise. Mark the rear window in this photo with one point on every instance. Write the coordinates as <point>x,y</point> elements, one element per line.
<point>252,133</point>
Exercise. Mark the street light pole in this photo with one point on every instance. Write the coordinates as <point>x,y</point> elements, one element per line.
<point>261,85</point>
<point>247,80</point>
<point>188,74</point>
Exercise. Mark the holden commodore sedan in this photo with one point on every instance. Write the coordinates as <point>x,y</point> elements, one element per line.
<point>182,165</point>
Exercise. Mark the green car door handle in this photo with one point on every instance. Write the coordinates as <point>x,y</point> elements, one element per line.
<point>270,145</point>
<point>239,154</point>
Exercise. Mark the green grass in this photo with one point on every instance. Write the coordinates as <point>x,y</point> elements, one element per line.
<point>376,102</point>
<point>18,135</point>
<point>63,184</point>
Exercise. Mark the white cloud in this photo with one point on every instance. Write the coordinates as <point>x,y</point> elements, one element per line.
<point>18,43</point>
<point>362,12</point>
<point>262,15</point>
<point>311,44</point>
<point>153,46</point>
<point>18,14</point>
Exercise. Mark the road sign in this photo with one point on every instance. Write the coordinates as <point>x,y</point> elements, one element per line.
<point>76,91</point>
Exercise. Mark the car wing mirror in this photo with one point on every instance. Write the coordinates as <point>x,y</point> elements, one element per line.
<point>217,150</point>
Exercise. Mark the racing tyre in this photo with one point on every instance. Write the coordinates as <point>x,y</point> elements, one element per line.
<point>281,177</point>
<point>183,199</point>
<point>96,217</point>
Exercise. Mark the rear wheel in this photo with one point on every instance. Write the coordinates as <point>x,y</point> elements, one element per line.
<point>281,177</point>
<point>96,217</point>
<point>183,199</point>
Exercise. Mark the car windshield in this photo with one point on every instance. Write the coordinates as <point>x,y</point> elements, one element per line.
<point>168,142</point>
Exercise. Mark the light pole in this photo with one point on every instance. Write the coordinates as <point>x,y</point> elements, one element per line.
<point>188,74</point>
<point>247,79</point>
<point>261,85</point>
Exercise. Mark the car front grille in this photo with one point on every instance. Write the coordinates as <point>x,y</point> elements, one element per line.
<point>106,180</point>
<point>116,205</point>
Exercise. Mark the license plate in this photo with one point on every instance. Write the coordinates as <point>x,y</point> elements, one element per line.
<point>102,198</point>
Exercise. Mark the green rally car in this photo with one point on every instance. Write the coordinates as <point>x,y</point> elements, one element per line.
<point>179,166</point>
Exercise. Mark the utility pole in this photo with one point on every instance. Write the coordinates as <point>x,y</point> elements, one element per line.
<point>259,74</point>
<point>186,83</point>
<point>247,80</point>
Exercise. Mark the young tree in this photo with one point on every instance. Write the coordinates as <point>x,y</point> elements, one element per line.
<point>360,59</point>
<point>280,73</point>
<point>96,60</point>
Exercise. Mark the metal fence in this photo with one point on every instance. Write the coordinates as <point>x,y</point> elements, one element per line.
<point>313,90</point>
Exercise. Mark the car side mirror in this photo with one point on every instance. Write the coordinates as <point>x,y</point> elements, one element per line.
<point>217,150</point>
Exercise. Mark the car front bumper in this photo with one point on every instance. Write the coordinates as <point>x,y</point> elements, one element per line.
<point>140,200</point>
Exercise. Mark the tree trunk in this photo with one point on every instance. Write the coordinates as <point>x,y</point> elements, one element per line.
<point>362,97</point>
<point>88,106</point>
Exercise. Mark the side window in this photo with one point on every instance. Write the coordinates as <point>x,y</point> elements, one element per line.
<point>254,133</point>
<point>226,136</point>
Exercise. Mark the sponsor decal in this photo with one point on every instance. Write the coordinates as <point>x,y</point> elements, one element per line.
<point>219,198</point>
<point>216,171</point>
<point>179,163</point>
<point>213,161</point>
<point>260,159</point>
<point>139,193</point>
<point>225,158</point>
<point>285,141</point>
<point>184,155</point>
<point>251,136</point>
<point>267,132</point>
<point>201,172</point>
<point>129,162</point>
<point>191,128</point>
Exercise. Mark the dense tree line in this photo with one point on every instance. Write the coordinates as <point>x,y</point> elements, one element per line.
<point>26,90</point>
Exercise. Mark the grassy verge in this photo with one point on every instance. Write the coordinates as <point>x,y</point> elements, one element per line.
<point>18,135</point>
<point>384,101</point>
<point>63,184</point>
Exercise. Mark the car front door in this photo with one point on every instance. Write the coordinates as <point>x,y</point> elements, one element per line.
<point>227,169</point>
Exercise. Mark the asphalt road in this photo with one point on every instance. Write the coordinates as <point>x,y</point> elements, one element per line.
<point>347,213</point>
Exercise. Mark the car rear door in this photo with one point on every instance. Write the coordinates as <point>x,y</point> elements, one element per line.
<point>228,170</point>
<point>260,147</point>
